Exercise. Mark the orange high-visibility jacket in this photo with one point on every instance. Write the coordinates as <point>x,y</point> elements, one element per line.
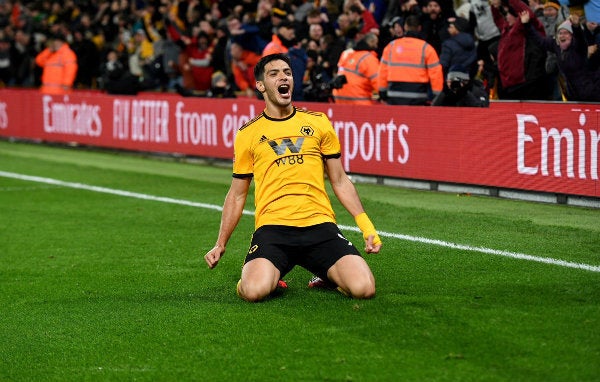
<point>360,68</point>
<point>243,73</point>
<point>59,69</point>
<point>275,46</point>
<point>407,68</point>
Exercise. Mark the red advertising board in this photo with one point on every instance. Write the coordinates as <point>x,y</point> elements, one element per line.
<point>547,147</point>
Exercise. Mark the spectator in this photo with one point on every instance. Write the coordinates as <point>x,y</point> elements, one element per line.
<point>409,69</point>
<point>279,14</point>
<point>592,36</point>
<point>571,50</point>
<point>220,46</point>
<point>344,30</point>
<point>246,34</point>
<point>264,20</point>
<point>22,59</point>
<point>141,53</point>
<point>59,66</point>
<point>401,8</point>
<point>395,29</point>
<point>487,34</point>
<point>315,33</point>
<point>362,19</point>
<point>220,87</point>
<point>116,78</point>
<point>552,15</point>
<point>284,41</point>
<point>88,58</point>
<point>315,78</point>
<point>167,54</point>
<point>360,66</point>
<point>461,90</point>
<point>434,24</point>
<point>521,62</point>
<point>242,67</point>
<point>195,62</point>
<point>6,72</point>
<point>588,8</point>
<point>315,16</point>
<point>459,49</point>
<point>331,50</point>
<point>377,8</point>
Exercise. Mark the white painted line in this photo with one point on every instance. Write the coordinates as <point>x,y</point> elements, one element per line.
<point>441,243</point>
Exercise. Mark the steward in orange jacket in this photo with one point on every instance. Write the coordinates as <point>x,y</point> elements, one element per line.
<point>59,64</point>
<point>360,66</point>
<point>410,72</point>
<point>282,40</point>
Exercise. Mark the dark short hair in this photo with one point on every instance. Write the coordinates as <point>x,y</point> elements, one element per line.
<point>259,69</point>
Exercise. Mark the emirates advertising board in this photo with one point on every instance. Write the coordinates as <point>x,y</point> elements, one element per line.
<point>547,147</point>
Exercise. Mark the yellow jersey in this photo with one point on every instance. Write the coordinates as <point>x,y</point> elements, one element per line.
<point>286,157</point>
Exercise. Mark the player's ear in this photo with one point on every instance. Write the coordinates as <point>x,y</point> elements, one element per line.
<point>260,86</point>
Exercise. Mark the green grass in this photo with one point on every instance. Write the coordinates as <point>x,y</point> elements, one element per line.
<point>98,287</point>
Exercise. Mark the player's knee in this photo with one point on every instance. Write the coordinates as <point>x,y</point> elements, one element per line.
<point>361,288</point>
<point>364,290</point>
<point>252,292</point>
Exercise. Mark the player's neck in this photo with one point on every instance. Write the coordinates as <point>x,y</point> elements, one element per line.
<point>279,112</point>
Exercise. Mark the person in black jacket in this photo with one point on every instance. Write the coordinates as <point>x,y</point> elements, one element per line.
<point>461,90</point>
<point>571,49</point>
<point>116,77</point>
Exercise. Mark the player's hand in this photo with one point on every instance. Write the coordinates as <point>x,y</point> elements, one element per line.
<point>213,256</point>
<point>370,247</point>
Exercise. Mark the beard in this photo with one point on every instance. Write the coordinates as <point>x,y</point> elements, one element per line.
<point>287,43</point>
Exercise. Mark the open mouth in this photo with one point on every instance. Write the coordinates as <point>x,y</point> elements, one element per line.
<point>283,89</point>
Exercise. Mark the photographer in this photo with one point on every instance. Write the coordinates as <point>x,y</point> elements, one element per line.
<point>461,90</point>
<point>319,87</point>
<point>116,78</point>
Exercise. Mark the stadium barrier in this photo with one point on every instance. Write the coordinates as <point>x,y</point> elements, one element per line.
<point>544,148</point>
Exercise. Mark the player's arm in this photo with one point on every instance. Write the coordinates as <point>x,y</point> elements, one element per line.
<point>346,193</point>
<point>232,212</point>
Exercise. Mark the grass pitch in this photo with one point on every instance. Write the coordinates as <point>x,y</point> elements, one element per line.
<point>101,286</point>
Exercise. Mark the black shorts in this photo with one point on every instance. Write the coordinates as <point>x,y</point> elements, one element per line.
<point>315,248</point>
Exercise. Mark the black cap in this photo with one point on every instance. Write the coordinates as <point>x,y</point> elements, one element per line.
<point>396,20</point>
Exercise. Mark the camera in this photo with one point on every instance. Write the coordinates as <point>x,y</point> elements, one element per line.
<point>322,91</point>
<point>455,84</point>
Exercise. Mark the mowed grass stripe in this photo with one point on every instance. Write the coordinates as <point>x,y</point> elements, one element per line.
<point>441,243</point>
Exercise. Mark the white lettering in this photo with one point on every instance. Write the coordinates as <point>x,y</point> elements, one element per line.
<point>150,121</point>
<point>67,118</point>
<point>563,155</point>
<point>368,142</point>
<point>3,116</point>
<point>232,123</point>
<point>194,128</point>
<point>557,139</point>
<point>120,119</point>
<point>523,138</point>
<point>402,131</point>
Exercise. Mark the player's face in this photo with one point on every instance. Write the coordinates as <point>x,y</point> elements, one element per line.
<point>278,83</point>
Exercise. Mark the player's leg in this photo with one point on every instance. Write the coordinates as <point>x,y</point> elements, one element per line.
<point>259,280</point>
<point>335,260</point>
<point>266,262</point>
<point>353,277</point>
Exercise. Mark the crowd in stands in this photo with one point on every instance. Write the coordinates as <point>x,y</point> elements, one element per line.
<point>347,51</point>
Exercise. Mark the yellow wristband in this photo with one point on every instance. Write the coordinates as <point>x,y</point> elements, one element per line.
<point>367,228</point>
